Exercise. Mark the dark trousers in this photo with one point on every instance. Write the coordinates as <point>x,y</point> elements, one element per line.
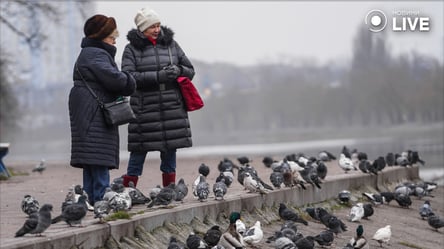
<point>137,159</point>
<point>95,182</point>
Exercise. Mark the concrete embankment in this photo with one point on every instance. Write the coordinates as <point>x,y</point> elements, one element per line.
<point>113,233</point>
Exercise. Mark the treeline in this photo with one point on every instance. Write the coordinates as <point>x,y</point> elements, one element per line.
<point>375,88</point>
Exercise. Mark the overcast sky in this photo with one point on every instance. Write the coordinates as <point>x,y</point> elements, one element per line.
<point>251,32</point>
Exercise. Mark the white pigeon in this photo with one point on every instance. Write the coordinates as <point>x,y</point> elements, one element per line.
<point>383,235</point>
<point>357,212</point>
<point>252,185</point>
<point>346,163</point>
<point>240,227</point>
<point>194,185</point>
<point>294,166</point>
<point>254,234</point>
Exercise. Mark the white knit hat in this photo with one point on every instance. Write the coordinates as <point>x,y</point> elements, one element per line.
<point>145,18</point>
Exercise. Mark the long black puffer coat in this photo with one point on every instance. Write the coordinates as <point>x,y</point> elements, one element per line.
<point>93,142</point>
<point>162,120</point>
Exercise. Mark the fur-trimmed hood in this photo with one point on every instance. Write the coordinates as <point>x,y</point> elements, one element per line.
<point>139,41</point>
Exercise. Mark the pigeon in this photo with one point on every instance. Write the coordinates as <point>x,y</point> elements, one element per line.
<point>331,222</point>
<point>212,236</point>
<point>37,222</point>
<point>344,196</point>
<point>118,201</point>
<point>74,213</point>
<point>310,175</point>
<point>195,242</point>
<point>276,179</point>
<point>435,221</point>
<point>154,192</point>
<point>174,244</point>
<point>390,159</point>
<point>181,190</point>
<point>40,167</point>
<point>364,166</point>
<point>413,157</point>
<point>325,238</point>
<point>359,241</point>
<point>321,169</point>
<point>101,210</point>
<point>254,234</point>
<point>382,235</point>
<point>79,191</point>
<point>240,227</point>
<point>356,212</point>
<point>403,200</point>
<point>425,210</point>
<point>194,185</point>
<point>227,176</point>
<point>30,205</point>
<point>305,243</point>
<point>313,212</point>
<point>379,163</point>
<point>252,185</point>
<point>346,152</point>
<point>219,189</point>
<point>346,163</point>
<point>226,165</point>
<point>202,189</point>
<point>165,196</point>
<point>326,156</point>
<point>137,197</point>
<point>288,214</point>
<point>378,199</point>
<point>284,243</point>
<point>368,210</point>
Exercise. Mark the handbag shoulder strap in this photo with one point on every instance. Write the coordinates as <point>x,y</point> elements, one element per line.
<point>89,88</point>
<point>170,54</point>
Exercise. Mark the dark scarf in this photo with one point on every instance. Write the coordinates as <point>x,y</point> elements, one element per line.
<point>88,42</point>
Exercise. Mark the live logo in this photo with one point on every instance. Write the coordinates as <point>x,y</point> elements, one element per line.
<point>408,23</point>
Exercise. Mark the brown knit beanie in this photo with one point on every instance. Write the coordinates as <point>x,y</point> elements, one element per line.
<point>99,27</point>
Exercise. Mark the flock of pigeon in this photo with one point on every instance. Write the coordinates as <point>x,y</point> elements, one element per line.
<point>294,170</point>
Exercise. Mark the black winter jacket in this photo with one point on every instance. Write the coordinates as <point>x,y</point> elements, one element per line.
<point>93,142</point>
<point>162,121</point>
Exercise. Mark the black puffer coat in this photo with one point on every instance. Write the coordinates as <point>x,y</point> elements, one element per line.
<point>162,121</point>
<point>92,141</point>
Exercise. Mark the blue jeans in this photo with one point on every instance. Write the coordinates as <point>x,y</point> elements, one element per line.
<point>137,159</point>
<point>95,182</point>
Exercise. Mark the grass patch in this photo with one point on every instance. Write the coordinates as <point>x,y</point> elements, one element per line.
<point>409,245</point>
<point>122,215</point>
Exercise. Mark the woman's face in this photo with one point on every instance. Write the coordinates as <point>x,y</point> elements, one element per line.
<point>152,31</point>
<point>111,40</point>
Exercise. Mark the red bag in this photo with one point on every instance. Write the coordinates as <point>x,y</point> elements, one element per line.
<point>191,96</point>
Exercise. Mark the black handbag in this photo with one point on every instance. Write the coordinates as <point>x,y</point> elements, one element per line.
<point>116,113</point>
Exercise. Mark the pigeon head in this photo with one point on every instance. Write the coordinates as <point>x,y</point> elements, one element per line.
<point>234,216</point>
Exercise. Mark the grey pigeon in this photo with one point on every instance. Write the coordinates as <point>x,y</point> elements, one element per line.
<point>268,161</point>
<point>137,197</point>
<point>305,243</point>
<point>37,222</point>
<point>174,244</point>
<point>277,179</point>
<point>219,189</point>
<point>244,160</point>
<point>288,214</point>
<point>202,189</point>
<point>313,212</point>
<point>212,236</point>
<point>30,205</point>
<point>101,209</point>
<point>425,210</point>
<point>227,176</point>
<point>40,167</point>
<point>331,222</point>
<point>181,190</point>
<point>325,238</point>
<point>165,196</point>
<point>403,200</point>
<point>344,196</point>
<point>195,242</point>
<point>435,221</point>
<point>326,156</point>
<point>390,159</point>
<point>74,213</point>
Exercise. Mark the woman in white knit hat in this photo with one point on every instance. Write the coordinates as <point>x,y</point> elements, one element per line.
<point>155,60</point>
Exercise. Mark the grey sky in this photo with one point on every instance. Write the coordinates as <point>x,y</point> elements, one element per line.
<point>250,32</point>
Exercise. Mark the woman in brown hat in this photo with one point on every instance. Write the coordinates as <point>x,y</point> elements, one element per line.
<point>94,144</point>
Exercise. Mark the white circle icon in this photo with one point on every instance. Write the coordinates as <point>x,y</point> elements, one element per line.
<point>376,20</point>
